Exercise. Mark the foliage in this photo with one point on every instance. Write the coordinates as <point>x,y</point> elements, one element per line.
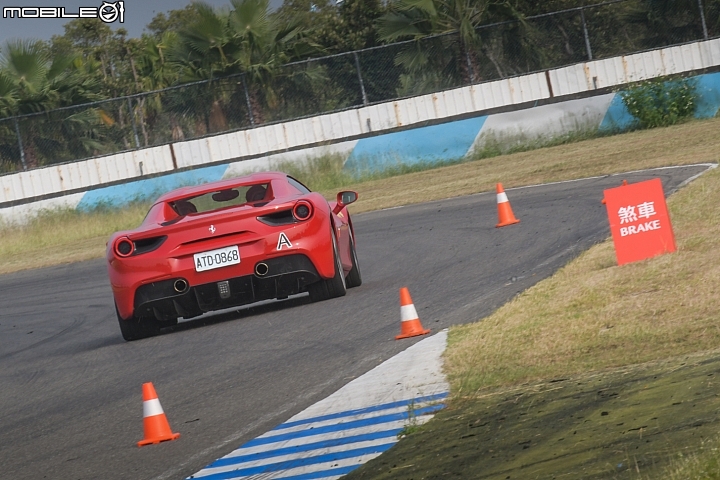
<point>33,80</point>
<point>467,49</point>
<point>173,21</point>
<point>658,103</point>
<point>244,39</point>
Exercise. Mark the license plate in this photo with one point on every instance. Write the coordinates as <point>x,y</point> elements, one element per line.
<point>222,257</point>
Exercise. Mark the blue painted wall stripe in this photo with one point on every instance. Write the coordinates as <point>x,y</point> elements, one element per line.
<point>708,90</point>
<point>300,462</point>
<point>435,143</point>
<point>335,442</point>
<point>148,189</point>
<point>617,118</point>
<point>341,426</point>
<point>360,411</point>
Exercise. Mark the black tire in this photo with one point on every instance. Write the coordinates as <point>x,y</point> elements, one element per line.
<point>333,287</point>
<point>137,328</point>
<point>353,279</point>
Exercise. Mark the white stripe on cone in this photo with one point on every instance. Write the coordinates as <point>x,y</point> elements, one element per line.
<point>408,312</point>
<point>152,408</point>
<point>502,197</point>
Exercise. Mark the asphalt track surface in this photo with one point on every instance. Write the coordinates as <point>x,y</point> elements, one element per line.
<point>70,387</point>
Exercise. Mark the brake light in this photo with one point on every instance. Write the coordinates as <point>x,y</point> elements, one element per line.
<point>302,210</point>
<point>124,247</point>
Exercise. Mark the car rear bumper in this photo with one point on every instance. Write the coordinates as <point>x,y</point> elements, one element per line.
<point>285,275</point>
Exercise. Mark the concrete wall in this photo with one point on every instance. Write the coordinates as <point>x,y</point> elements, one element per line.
<point>435,127</point>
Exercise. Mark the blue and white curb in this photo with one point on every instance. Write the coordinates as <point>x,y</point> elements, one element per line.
<point>350,427</point>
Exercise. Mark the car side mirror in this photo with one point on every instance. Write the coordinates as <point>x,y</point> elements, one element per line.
<point>347,197</point>
<point>344,199</point>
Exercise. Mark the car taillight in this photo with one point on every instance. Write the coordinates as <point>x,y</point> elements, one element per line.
<point>302,210</point>
<point>124,247</point>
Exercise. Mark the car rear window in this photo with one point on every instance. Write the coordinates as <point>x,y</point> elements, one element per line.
<point>230,197</point>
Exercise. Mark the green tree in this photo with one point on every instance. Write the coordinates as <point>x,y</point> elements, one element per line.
<point>417,19</point>
<point>8,141</point>
<point>342,27</point>
<point>244,39</point>
<point>152,70</point>
<point>355,25</point>
<point>337,27</point>
<point>670,22</point>
<point>95,41</point>
<point>32,80</point>
<point>173,21</point>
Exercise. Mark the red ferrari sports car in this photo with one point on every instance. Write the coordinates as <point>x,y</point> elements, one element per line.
<point>230,243</point>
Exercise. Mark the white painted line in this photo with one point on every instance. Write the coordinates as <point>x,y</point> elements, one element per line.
<point>415,372</point>
<point>300,427</point>
<point>334,437</point>
<point>266,460</point>
<point>709,165</point>
<point>348,428</point>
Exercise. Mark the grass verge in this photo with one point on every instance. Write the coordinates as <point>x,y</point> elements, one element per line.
<point>63,236</point>
<point>593,314</point>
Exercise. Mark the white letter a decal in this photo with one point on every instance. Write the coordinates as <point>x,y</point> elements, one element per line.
<point>283,240</point>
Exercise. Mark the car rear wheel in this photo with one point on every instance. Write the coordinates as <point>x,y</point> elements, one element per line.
<point>136,328</point>
<point>354,279</point>
<point>333,287</point>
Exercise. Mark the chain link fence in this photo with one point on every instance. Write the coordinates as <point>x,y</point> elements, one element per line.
<point>353,79</point>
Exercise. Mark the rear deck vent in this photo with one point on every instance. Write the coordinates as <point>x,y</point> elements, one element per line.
<point>148,244</point>
<point>284,217</point>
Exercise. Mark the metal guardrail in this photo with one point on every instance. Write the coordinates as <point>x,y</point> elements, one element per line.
<point>338,82</point>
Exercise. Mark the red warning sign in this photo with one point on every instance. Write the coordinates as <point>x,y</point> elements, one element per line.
<point>639,221</point>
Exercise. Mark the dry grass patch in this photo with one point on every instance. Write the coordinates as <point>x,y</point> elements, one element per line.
<point>593,314</point>
<point>63,236</point>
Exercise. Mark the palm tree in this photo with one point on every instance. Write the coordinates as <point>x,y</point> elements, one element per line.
<point>8,138</point>
<point>8,96</point>
<point>453,25</point>
<point>34,81</point>
<point>151,70</point>
<point>245,39</point>
<point>205,47</point>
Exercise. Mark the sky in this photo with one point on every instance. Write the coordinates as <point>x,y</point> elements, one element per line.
<point>138,13</point>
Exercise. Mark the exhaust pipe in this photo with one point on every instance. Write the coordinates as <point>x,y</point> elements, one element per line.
<point>180,285</point>
<point>261,269</point>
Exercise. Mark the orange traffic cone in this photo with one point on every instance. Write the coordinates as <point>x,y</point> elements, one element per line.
<point>505,213</point>
<point>409,322</point>
<point>623,184</point>
<point>157,428</point>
